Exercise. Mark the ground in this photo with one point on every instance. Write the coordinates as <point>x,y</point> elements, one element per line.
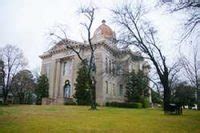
<point>33,118</point>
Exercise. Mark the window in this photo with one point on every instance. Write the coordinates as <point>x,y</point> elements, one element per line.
<point>1,90</point>
<point>106,65</point>
<point>113,67</point>
<point>106,87</point>
<point>110,66</point>
<point>119,69</point>
<point>114,90</point>
<point>66,68</point>
<point>121,90</point>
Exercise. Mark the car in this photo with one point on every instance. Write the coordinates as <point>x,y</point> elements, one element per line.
<point>194,107</point>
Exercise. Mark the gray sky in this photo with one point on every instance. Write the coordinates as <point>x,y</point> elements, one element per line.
<point>26,23</point>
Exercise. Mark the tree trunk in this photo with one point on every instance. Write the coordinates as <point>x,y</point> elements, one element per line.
<point>166,100</point>
<point>5,96</point>
<point>21,98</point>
<point>93,93</point>
<point>167,92</point>
<point>198,98</point>
<point>5,100</point>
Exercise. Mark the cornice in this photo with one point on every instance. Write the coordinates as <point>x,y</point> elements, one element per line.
<point>59,48</point>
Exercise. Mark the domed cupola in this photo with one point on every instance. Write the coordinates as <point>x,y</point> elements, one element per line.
<point>103,32</point>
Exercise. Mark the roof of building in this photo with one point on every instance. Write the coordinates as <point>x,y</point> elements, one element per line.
<point>104,31</point>
<point>59,47</point>
<point>103,35</point>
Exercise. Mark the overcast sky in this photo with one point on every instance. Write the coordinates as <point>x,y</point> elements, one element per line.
<point>26,23</point>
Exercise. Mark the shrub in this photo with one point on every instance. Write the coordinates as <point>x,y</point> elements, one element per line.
<point>38,101</point>
<point>138,105</point>
<point>124,105</point>
<point>70,103</point>
<point>145,103</point>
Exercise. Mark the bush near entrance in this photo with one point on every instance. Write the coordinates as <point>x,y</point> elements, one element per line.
<point>124,105</point>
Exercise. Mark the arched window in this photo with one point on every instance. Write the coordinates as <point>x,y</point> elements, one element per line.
<point>67,89</point>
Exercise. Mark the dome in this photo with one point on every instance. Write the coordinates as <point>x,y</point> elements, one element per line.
<point>104,31</point>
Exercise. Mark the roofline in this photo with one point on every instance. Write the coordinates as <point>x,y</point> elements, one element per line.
<point>104,43</point>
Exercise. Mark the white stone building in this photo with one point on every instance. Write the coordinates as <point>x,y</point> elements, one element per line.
<point>61,64</point>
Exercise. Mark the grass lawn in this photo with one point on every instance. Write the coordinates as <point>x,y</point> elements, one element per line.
<point>32,118</point>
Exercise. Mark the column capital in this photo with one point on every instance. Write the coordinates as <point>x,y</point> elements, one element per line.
<point>58,60</point>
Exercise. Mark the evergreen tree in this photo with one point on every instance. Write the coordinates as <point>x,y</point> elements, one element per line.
<point>22,83</point>
<point>136,87</point>
<point>82,86</point>
<point>156,98</point>
<point>183,94</point>
<point>42,89</point>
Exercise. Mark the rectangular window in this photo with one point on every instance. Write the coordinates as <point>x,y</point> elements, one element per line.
<point>1,90</point>
<point>67,68</point>
<point>106,65</point>
<point>120,69</point>
<point>110,66</point>
<point>113,67</point>
<point>121,90</point>
<point>106,87</point>
<point>64,68</point>
<point>114,90</point>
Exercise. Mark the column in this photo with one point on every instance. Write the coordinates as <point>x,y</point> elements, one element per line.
<point>52,79</point>
<point>57,82</point>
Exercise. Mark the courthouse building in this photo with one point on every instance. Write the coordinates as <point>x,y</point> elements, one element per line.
<point>61,65</point>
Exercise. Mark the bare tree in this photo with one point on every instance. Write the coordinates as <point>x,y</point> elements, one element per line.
<point>138,32</point>
<point>13,61</point>
<point>192,71</point>
<point>2,76</point>
<point>193,8</point>
<point>89,13</point>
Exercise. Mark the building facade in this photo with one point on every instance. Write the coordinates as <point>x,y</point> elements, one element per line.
<point>61,65</point>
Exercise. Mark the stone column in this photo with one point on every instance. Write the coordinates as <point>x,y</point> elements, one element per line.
<point>43,71</point>
<point>57,82</point>
<point>52,79</point>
